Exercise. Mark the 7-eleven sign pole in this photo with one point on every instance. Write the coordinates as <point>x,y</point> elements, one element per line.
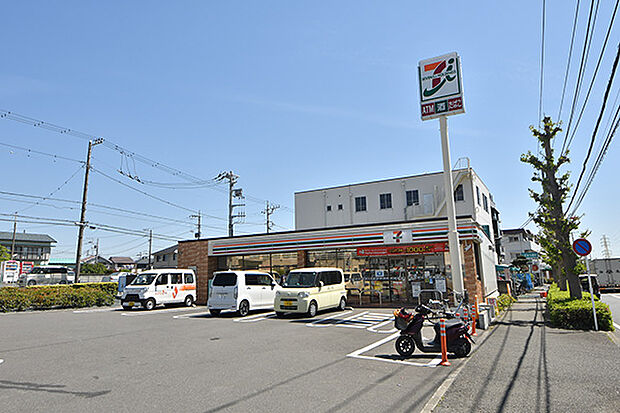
<point>441,95</point>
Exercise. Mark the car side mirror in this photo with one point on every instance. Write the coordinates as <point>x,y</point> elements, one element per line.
<point>321,284</point>
<point>273,285</point>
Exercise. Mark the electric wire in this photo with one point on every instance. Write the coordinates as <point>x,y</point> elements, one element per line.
<point>55,190</point>
<point>570,53</point>
<point>598,64</point>
<point>582,65</point>
<point>598,122</point>
<point>542,63</point>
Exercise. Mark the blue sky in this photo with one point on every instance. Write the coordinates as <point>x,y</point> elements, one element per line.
<point>289,95</point>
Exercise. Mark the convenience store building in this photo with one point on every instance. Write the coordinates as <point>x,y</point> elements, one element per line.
<point>394,232</point>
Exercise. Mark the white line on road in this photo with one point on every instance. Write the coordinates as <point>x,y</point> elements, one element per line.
<point>254,318</point>
<point>191,315</point>
<point>153,312</point>
<point>97,310</point>
<point>373,329</point>
<point>1,361</point>
<point>614,296</point>
<point>358,354</point>
<point>616,325</point>
<point>315,323</point>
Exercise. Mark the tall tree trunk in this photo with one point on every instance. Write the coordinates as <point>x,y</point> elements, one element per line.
<point>570,261</point>
<point>559,277</point>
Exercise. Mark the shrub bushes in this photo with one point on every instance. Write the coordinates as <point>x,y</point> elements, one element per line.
<point>57,296</point>
<point>568,313</point>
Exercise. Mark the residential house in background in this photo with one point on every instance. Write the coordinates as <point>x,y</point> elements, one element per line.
<point>123,263</point>
<point>166,258</point>
<point>29,247</point>
<point>97,259</point>
<point>516,242</point>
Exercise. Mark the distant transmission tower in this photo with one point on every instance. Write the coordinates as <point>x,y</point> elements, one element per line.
<point>605,245</point>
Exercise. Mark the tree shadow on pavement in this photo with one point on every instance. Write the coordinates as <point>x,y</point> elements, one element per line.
<point>48,388</point>
<point>542,362</point>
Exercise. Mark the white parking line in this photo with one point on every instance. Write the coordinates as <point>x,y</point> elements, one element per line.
<point>616,325</point>
<point>153,312</point>
<point>1,361</point>
<point>191,315</point>
<point>373,329</point>
<point>254,318</point>
<point>358,354</point>
<point>97,310</point>
<point>316,323</point>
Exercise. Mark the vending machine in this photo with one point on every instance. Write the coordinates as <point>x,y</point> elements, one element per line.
<point>25,267</point>
<point>10,271</point>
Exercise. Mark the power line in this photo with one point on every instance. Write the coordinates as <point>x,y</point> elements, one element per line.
<point>193,180</point>
<point>582,66</point>
<point>570,53</point>
<point>542,63</point>
<point>598,162</point>
<point>598,122</point>
<point>598,64</point>
<point>55,190</point>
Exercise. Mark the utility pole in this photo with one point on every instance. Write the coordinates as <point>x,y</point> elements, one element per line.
<point>198,216</point>
<point>268,211</point>
<point>14,233</point>
<point>150,248</point>
<point>82,223</point>
<point>232,193</point>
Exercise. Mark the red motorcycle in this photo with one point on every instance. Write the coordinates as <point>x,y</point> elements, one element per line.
<point>457,336</point>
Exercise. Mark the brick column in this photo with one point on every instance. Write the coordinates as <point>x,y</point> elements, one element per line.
<point>196,254</point>
<point>302,259</point>
<point>472,284</point>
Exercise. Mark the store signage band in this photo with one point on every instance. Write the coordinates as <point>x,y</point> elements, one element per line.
<point>403,249</point>
<point>441,91</point>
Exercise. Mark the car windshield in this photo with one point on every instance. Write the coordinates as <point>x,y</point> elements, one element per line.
<point>144,279</point>
<point>300,279</point>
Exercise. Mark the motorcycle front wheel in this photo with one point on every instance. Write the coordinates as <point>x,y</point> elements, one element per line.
<point>405,346</point>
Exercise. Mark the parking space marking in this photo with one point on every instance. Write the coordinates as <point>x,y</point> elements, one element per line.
<point>254,318</point>
<point>192,315</point>
<point>322,322</point>
<point>153,312</point>
<point>374,329</point>
<point>97,310</point>
<point>1,361</point>
<point>358,354</point>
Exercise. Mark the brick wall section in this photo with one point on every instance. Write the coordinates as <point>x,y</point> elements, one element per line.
<point>472,284</point>
<point>302,259</point>
<point>196,253</point>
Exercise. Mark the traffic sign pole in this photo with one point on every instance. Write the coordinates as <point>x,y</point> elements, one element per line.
<point>591,294</point>
<point>583,248</point>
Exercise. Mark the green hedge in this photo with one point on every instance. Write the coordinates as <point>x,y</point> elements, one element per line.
<point>57,296</point>
<point>568,313</point>
<point>504,301</point>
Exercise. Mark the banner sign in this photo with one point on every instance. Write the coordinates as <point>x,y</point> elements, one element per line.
<point>413,249</point>
<point>441,91</point>
<point>529,255</point>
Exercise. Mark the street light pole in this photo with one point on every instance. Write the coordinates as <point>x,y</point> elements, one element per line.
<point>82,223</point>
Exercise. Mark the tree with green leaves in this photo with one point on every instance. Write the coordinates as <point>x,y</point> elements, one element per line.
<point>555,225</point>
<point>5,255</point>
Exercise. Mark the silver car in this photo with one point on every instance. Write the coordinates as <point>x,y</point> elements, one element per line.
<point>46,275</point>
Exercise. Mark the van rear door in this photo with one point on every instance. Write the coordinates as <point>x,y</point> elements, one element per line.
<point>223,289</point>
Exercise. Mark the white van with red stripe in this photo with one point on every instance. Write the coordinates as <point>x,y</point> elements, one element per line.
<point>162,286</point>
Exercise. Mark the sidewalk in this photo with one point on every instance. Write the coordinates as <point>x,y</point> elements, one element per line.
<point>527,366</point>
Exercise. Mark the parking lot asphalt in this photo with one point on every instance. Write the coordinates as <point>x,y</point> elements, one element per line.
<point>182,359</point>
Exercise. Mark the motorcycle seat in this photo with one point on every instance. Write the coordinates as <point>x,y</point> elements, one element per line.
<point>449,324</point>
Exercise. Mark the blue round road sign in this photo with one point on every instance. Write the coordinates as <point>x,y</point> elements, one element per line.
<point>582,247</point>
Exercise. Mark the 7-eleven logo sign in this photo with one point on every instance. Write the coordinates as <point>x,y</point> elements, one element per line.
<point>397,236</point>
<point>440,86</point>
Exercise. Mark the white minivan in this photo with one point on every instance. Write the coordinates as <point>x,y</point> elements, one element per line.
<point>161,286</point>
<point>308,290</point>
<point>241,291</point>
